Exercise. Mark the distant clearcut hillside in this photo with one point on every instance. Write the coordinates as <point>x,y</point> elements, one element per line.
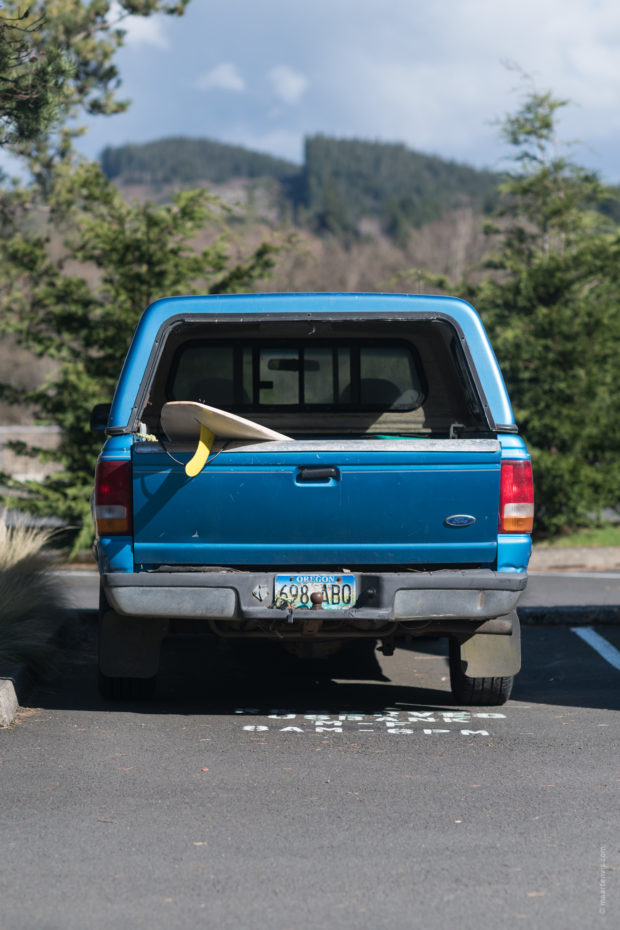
<point>341,182</point>
<point>185,160</point>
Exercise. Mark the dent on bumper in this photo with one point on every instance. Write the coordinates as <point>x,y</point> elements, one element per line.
<point>467,595</point>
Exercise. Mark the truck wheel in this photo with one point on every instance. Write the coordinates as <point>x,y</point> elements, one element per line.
<point>476,691</point>
<point>126,689</point>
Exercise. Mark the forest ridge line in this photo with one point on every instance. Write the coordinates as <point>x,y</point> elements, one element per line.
<point>340,182</point>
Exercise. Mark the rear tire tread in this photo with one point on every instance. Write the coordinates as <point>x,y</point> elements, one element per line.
<point>476,691</point>
<point>479,691</point>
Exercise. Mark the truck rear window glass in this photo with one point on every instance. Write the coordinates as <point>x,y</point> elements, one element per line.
<point>283,376</point>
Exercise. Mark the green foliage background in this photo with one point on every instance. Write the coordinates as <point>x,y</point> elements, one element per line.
<point>182,160</point>
<point>549,298</point>
<point>347,179</point>
<point>551,308</point>
<point>129,255</point>
<point>126,254</point>
<point>341,180</point>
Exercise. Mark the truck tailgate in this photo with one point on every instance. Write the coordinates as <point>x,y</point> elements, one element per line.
<point>319,503</point>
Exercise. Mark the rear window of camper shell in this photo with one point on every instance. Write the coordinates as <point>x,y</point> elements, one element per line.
<point>287,375</point>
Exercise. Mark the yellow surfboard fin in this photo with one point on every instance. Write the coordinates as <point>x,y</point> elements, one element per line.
<point>200,456</point>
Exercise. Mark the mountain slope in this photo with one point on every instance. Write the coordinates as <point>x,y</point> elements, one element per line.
<point>184,160</point>
<point>342,183</point>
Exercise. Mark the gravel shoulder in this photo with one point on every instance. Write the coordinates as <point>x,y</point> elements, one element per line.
<point>554,558</point>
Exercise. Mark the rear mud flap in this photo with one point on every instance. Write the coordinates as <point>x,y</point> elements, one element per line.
<point>129,647</point>
<point>486,655</point>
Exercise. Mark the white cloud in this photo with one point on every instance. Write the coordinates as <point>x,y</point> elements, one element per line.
<point>225,76</point>
<point>141,30</point>
<point>288,85</point>
<point>428,74</point>
<point>435,80</point>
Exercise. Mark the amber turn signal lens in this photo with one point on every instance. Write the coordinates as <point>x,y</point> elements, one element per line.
<point>516,500</point>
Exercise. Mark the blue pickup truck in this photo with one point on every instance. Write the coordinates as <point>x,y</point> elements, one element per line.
<point>399,501</point>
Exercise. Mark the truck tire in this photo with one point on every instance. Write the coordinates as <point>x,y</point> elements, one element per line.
<point>126,689</point>
<point>476,691</point>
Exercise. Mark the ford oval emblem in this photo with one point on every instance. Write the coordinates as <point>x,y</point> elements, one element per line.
<point>460,519</point>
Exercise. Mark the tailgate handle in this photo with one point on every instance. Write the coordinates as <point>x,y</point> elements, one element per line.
<point>317,473</point>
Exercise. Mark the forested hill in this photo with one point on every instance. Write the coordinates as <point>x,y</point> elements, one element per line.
<point>347,179</point>
<point>181,160</point>
<point>341,182</point>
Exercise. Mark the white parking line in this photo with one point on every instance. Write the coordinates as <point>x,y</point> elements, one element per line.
<point>599,644</point>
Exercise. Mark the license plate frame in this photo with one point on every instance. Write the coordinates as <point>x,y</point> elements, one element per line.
<point>294,589</point>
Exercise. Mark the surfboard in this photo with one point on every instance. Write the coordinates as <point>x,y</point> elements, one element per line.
<point>188,420</point>
<point>181,420</point>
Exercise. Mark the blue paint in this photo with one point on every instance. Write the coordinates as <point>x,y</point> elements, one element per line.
<point>115,554</point>
<point>411,506</point>
<point>513,552</point>
<point>311,305</point>
<point>251,507</point>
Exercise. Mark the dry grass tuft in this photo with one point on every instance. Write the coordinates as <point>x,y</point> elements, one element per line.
<point>30,598</point>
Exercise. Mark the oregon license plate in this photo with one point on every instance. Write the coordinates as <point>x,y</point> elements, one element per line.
<point>296,590</point>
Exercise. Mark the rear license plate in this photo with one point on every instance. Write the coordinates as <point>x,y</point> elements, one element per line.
<point>295,591</point>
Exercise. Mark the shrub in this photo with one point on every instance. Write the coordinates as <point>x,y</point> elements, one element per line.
<point>30,598</point>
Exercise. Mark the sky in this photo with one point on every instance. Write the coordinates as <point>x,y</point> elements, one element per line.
<point>434,74</point>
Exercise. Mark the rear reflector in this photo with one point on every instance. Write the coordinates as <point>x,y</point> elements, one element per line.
<point>516,501</point>
<point>113,498</point>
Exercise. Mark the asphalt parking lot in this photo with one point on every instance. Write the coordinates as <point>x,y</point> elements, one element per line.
<point>258,791</point>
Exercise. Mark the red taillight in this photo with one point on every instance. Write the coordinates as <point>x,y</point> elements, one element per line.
<point>113,498</point>
<point>516,498</point>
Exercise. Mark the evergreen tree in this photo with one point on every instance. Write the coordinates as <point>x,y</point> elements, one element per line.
<point>182,160</point>
<point>552,312</point>
<point>348,179</point>
<point>128,254</point>
<point>31,85</point>
<point>80,307</point>
<point>57,60</point>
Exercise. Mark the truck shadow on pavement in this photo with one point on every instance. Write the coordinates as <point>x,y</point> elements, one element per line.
<point>198,675</point>
<point>204,676</point>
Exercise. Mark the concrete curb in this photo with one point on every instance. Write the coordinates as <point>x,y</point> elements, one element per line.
<point>17,681</point>
<point>8,702</point>
<point>544,558</point>
<point>14,684</point>
<point>548,558</point>
<point>583,615</point>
